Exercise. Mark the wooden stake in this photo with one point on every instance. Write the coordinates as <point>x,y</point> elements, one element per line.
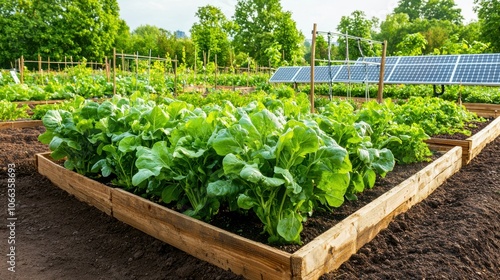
<point>114,71</point>
<point>175,75</point>
<point>313,54</point>
<point>216,71</point>
<point>21,68</point>
<point>40,64</point>
<point>380,94</point>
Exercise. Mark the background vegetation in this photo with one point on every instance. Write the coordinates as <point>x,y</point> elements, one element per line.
<point>260,32</point>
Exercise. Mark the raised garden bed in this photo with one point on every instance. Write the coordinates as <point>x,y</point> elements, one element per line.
<point>20,124</point>
<point>242,256</point>
<point>473,145</point>
<point>484,110</point>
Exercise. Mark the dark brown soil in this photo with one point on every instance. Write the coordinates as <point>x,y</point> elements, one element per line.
<point>453,234</point>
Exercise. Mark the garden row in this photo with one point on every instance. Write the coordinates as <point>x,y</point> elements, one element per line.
<point>269,158</point>
<point>83,81</point>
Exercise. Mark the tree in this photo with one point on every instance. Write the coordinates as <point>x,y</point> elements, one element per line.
<point>412,44</point>
<point>430,9</point>
<point>442,10</point>
<point>488,12</point>
<point>263,24</point>
<point>355,25</point>
<point>211,34</point>
<point>58,28</point>
<point>393,29</point>
<point>410,7</point>
<point>148,38</point>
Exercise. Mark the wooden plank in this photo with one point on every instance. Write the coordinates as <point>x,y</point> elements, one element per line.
<point>83,188</point>
<point>484,137</point>
<point>229,251</point>
<point>20,124</point>
<point>483,109</point>
<point>321,256</point>
<point>40,102</point>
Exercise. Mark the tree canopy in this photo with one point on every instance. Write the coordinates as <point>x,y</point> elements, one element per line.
<point>262,25</point>
<point>82,29</point>
<point>488,12</point>
<point>211,34</point>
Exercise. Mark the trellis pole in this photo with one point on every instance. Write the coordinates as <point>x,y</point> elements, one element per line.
<point>313,54</point>
<point>380,93</point>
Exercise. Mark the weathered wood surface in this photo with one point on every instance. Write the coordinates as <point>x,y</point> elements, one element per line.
<point>483,109</point>
<point>328,251</point>
<point>473,145</point>
<point>20,124</point>
<point>229,251</point>
<point>83,188</point>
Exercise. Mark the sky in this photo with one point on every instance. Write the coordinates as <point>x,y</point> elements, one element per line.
<point>175,15</point>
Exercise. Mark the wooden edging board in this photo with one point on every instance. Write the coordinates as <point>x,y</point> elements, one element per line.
<point>83,188</point>
<point>484,109</point>
<point>245,257</point>
<point>473,145</point>
<point>20,124</point>
<point>40,102</point>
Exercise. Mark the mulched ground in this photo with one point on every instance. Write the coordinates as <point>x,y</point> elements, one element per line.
<point>453,234</point>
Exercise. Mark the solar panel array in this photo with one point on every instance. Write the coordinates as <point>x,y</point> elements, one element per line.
<point>469,69</point>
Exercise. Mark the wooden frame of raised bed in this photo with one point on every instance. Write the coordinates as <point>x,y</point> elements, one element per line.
<point>473,145</point>
<point>20,124</point>
<point>245,257</point>
<point>484,109</point>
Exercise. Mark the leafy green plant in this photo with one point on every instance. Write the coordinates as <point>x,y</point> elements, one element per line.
<point>11,112</point>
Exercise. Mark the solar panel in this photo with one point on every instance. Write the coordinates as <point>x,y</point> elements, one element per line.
<point>429,59</point>
<point>480,58</point>
<point>322,74</point>
<point>477,74</point>
<point>390,60</point>
<point>285,74</point>
<point>360,74</point>
<point>421,74</point>
<point>470,69</point>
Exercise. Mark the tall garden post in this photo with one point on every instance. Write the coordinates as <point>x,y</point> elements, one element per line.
<point>175,74</point>
<point>313,54</point>
<point>380,94</point>
<point>114,71</point>
<point>21,68</point>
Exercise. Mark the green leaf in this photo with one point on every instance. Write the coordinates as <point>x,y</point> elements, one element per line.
<point>105,109</point>
<point>141,176</point>
<point>251,173</point>
<point>46,137</point>
<point>290,182</point>
<point>246,202</point>
<point>52,120</point>
<point>171,193</point>
<point>369,178</point>
<point>225,143</point>
<point>157,118</point>
<point>232,164</point>
<point>102,165</point>
<point>334,186</point>
<point>221,188</point>
<point>128,144</point>
<point>290,227</point>
<point>384,162</point>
